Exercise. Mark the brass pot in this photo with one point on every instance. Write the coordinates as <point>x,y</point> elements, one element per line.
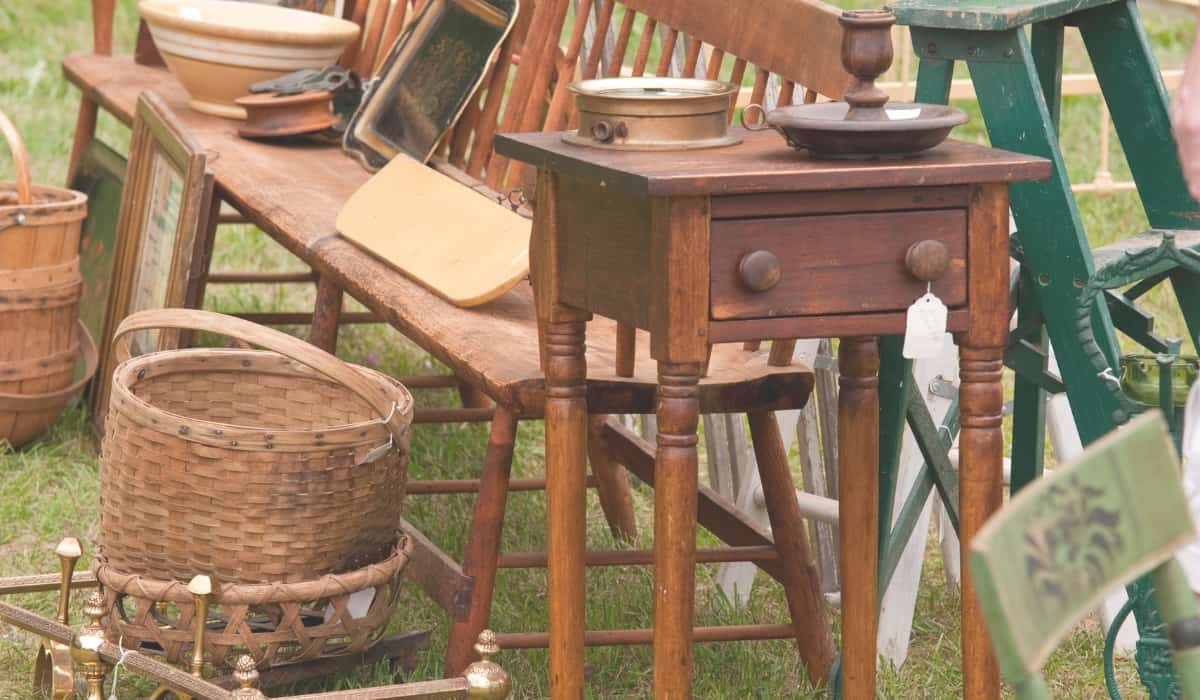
<point>653,114</point>
<point>1140,377</point>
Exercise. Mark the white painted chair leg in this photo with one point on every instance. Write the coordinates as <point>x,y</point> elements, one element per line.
<point>900,599</point>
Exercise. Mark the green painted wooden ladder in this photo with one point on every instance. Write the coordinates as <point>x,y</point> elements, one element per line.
<point>1062,291</point>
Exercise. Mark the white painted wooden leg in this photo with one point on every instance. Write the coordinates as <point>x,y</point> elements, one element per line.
<point>900,599</point>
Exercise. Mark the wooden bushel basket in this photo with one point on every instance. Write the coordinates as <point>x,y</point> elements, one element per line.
<point>41,339</point>
<point>277,466</point>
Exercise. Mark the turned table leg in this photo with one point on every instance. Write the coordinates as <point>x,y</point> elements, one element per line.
<point>858,499</point>
<point>676,477</point>
<point>981,402</point>
<point>980,484</point>
<point>566,500</point>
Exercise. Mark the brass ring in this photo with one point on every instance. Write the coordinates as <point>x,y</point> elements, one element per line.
<point>762,126</point>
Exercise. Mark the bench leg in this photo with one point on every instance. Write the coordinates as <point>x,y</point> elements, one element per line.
<point>327,312</point>
<point>483,541</point>
<point>814,636</point>
<point>612,484</point>
<point>85,131</point>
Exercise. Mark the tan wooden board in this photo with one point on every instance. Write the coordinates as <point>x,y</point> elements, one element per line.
<point>457,242</point>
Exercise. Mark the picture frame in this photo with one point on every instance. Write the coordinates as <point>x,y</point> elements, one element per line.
<point>160,237</point>
<point>439,61</point>
<point>101,176</point>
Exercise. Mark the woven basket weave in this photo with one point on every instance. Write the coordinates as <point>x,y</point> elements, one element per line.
<point>249,466</point>
<point>277,624</point>
<point>40,286</point>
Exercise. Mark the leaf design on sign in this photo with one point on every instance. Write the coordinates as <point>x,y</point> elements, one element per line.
<point>1072,542</point>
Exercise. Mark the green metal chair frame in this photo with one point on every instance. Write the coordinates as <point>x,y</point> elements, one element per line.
<point>1055,551</point>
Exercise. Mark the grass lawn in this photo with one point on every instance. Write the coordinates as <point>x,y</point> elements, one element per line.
<point>51,489</point>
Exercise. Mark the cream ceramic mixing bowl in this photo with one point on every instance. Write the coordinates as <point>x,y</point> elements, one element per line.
<point>218,48</point>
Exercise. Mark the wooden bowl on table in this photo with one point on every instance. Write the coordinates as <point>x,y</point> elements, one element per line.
<point>218,48</point>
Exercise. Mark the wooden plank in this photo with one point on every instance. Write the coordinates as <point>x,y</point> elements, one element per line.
<point>439,576</point>
<point>809,203</point>
<point>762,164</point>
<point>985,15</point>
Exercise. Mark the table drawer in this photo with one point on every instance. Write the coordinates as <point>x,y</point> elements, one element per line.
<point>836,264</point>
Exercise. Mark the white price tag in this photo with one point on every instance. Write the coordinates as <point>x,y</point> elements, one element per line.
<point>925,330</point>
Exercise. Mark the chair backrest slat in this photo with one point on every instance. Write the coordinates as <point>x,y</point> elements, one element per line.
<point>669,38</point>
<point>1058,547</point>
<point>715,59</point>
<point>599,41</point>
<point>692,58</point>
<point>617,59</point>
<point>643,50</point>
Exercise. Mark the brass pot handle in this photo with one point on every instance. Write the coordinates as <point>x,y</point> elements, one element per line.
<point>757,126</point>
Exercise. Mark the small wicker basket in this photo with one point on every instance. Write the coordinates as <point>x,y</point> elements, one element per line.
<point>41,338</point>
<point>248,466</point>
<point>276,624</point>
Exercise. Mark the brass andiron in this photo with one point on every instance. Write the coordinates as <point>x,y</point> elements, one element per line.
<point>201,589</point>
<point>85,650</point>
<point>52,672</point>
<point>485,679</point>
<point>246,674</point>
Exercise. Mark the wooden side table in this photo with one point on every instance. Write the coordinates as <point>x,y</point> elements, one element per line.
<point>752,242</point>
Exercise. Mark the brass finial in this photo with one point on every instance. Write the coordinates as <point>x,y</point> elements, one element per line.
<point>485,679</point>
<point>68,552</point>
<point>246,674</point>
<point>85,652</point>
<point>201,588</point>
<point>53,672</point>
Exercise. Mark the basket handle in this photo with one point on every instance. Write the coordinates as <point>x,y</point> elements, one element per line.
<point>52,399</point>
<point>20,159</point>
<point>391,414</point>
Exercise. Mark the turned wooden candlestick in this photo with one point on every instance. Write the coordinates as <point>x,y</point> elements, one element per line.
<point>866,54</point>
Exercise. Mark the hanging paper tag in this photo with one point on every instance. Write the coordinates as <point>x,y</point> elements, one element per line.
<point>925,332</point>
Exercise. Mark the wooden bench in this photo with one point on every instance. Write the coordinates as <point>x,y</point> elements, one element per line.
<point>294,195</point>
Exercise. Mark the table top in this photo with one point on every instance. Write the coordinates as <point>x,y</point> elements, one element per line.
<point>764,163</point>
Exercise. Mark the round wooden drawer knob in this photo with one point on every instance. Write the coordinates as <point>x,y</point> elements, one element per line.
<point>927,260</point>
<point>760,270</point>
